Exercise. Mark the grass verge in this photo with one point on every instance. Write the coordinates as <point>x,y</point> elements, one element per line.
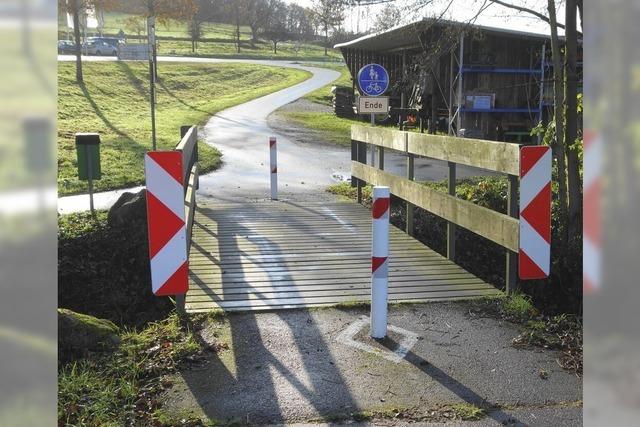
<point>121,388</point>
<point>323,95</point>
<point>334,129</point>
<point>113,101</point>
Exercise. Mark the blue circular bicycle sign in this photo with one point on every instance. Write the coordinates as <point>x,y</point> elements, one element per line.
<point>373,79</point>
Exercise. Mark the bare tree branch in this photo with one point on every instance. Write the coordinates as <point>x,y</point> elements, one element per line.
<point>526,10</point>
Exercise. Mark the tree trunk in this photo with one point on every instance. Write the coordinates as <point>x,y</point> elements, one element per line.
<point>76,35</point>
<point>571,131</point>
<point>326,40</point>
<point>558,144</point>
<point>237,31</point>
<point>275,47</point>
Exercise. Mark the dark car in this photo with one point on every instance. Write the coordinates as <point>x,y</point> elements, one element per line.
<point>66,47</point>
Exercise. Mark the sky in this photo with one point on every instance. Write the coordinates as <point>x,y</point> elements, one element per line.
<point>462,10</point>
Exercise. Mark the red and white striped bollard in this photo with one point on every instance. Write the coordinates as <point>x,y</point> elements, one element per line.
<point>379,261</point>
<point>273,167</point>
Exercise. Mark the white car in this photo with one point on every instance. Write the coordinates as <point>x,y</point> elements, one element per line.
<point>98,47</point>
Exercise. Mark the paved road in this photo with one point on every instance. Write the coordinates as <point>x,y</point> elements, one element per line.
<point>298,365</point>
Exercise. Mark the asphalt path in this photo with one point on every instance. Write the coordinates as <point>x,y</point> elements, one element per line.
<point>241,133</point>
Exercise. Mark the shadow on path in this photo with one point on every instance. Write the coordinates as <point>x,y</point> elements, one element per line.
<point>262,380</point>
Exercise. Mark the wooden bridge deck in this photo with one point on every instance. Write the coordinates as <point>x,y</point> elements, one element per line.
<point>268,255</point>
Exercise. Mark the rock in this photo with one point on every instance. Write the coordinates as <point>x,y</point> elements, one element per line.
<point>130,208</point>
<point>79,333</point>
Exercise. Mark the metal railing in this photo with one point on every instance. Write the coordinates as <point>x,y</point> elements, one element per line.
<point>495,156</point>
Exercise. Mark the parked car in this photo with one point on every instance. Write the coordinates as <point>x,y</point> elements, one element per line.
<point>113,41</point>
<point>66,47</point>
<point>98,47</point>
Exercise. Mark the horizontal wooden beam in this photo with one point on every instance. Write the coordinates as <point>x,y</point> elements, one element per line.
<point>382,137</point>
<point>190,203</point>
<point>495,226</point>
<point>503,157</point>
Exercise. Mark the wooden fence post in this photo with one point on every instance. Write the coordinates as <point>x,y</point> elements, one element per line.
<point>510,276</point>
<point>362,158</point>
<point>409,206</point>
<point>451,227</point>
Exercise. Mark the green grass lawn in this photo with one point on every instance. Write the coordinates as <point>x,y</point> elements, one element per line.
<point>324,95</point>
<point>334,129</point>
<point>114,101</point>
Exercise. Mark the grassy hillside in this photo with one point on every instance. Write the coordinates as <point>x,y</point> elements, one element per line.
<point>114,101</point>
<point>220,41</point>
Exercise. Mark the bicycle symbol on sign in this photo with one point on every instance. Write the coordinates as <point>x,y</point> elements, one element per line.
<point>374,87</point>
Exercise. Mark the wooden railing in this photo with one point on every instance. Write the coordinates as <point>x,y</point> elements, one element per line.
<point>188,146</point>
<point>500,157</point>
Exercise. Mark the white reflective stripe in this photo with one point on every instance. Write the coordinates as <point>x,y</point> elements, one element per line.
<point>380,243</point>
<point>169,259</point>
<point>379,290</point>
<point>592,162</point>
<point>164,187</point>
<point>534,245</point>
<point>591,261</point>
<point>535,180</point>
<point>379,192</point>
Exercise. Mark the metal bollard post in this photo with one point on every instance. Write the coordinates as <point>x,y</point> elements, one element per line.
<point>379,261</point>
<point>273,168</point>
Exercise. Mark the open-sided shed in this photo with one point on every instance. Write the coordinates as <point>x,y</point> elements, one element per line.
<point>469,80</point>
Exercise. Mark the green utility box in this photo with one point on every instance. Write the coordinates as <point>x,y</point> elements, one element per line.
<point>88,151</point>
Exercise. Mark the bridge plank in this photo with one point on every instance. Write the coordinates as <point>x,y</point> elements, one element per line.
<point>257,256</point>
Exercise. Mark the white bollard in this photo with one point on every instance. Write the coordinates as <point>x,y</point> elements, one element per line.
<point>274,168</point>
<point>379,261</point>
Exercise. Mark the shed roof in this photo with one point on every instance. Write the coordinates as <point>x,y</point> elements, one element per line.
<point>403,37</point>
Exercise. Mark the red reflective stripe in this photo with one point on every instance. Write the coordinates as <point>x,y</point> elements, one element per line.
<point>380,207</point>
<point>272,142</point>
<point>538,213</point>
<point>530,157</point>
<point>528,268</point>
<point>162,223</point>
<point>177,284</point>
<point>170,161</point>
<point>376,262</point>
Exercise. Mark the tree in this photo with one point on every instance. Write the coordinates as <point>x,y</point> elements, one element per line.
<point>571,108</point>
<point>78,9</point>
<point>135,24</point>
<point>389,17</point>
<point>257,15</point>
<point>276,27</point>
<point>565,94</point>
<point>299,23</point>
<point>329,14</point>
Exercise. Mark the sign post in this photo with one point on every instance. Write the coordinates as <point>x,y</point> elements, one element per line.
<point>151,31</point>
<point>373,80</point>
